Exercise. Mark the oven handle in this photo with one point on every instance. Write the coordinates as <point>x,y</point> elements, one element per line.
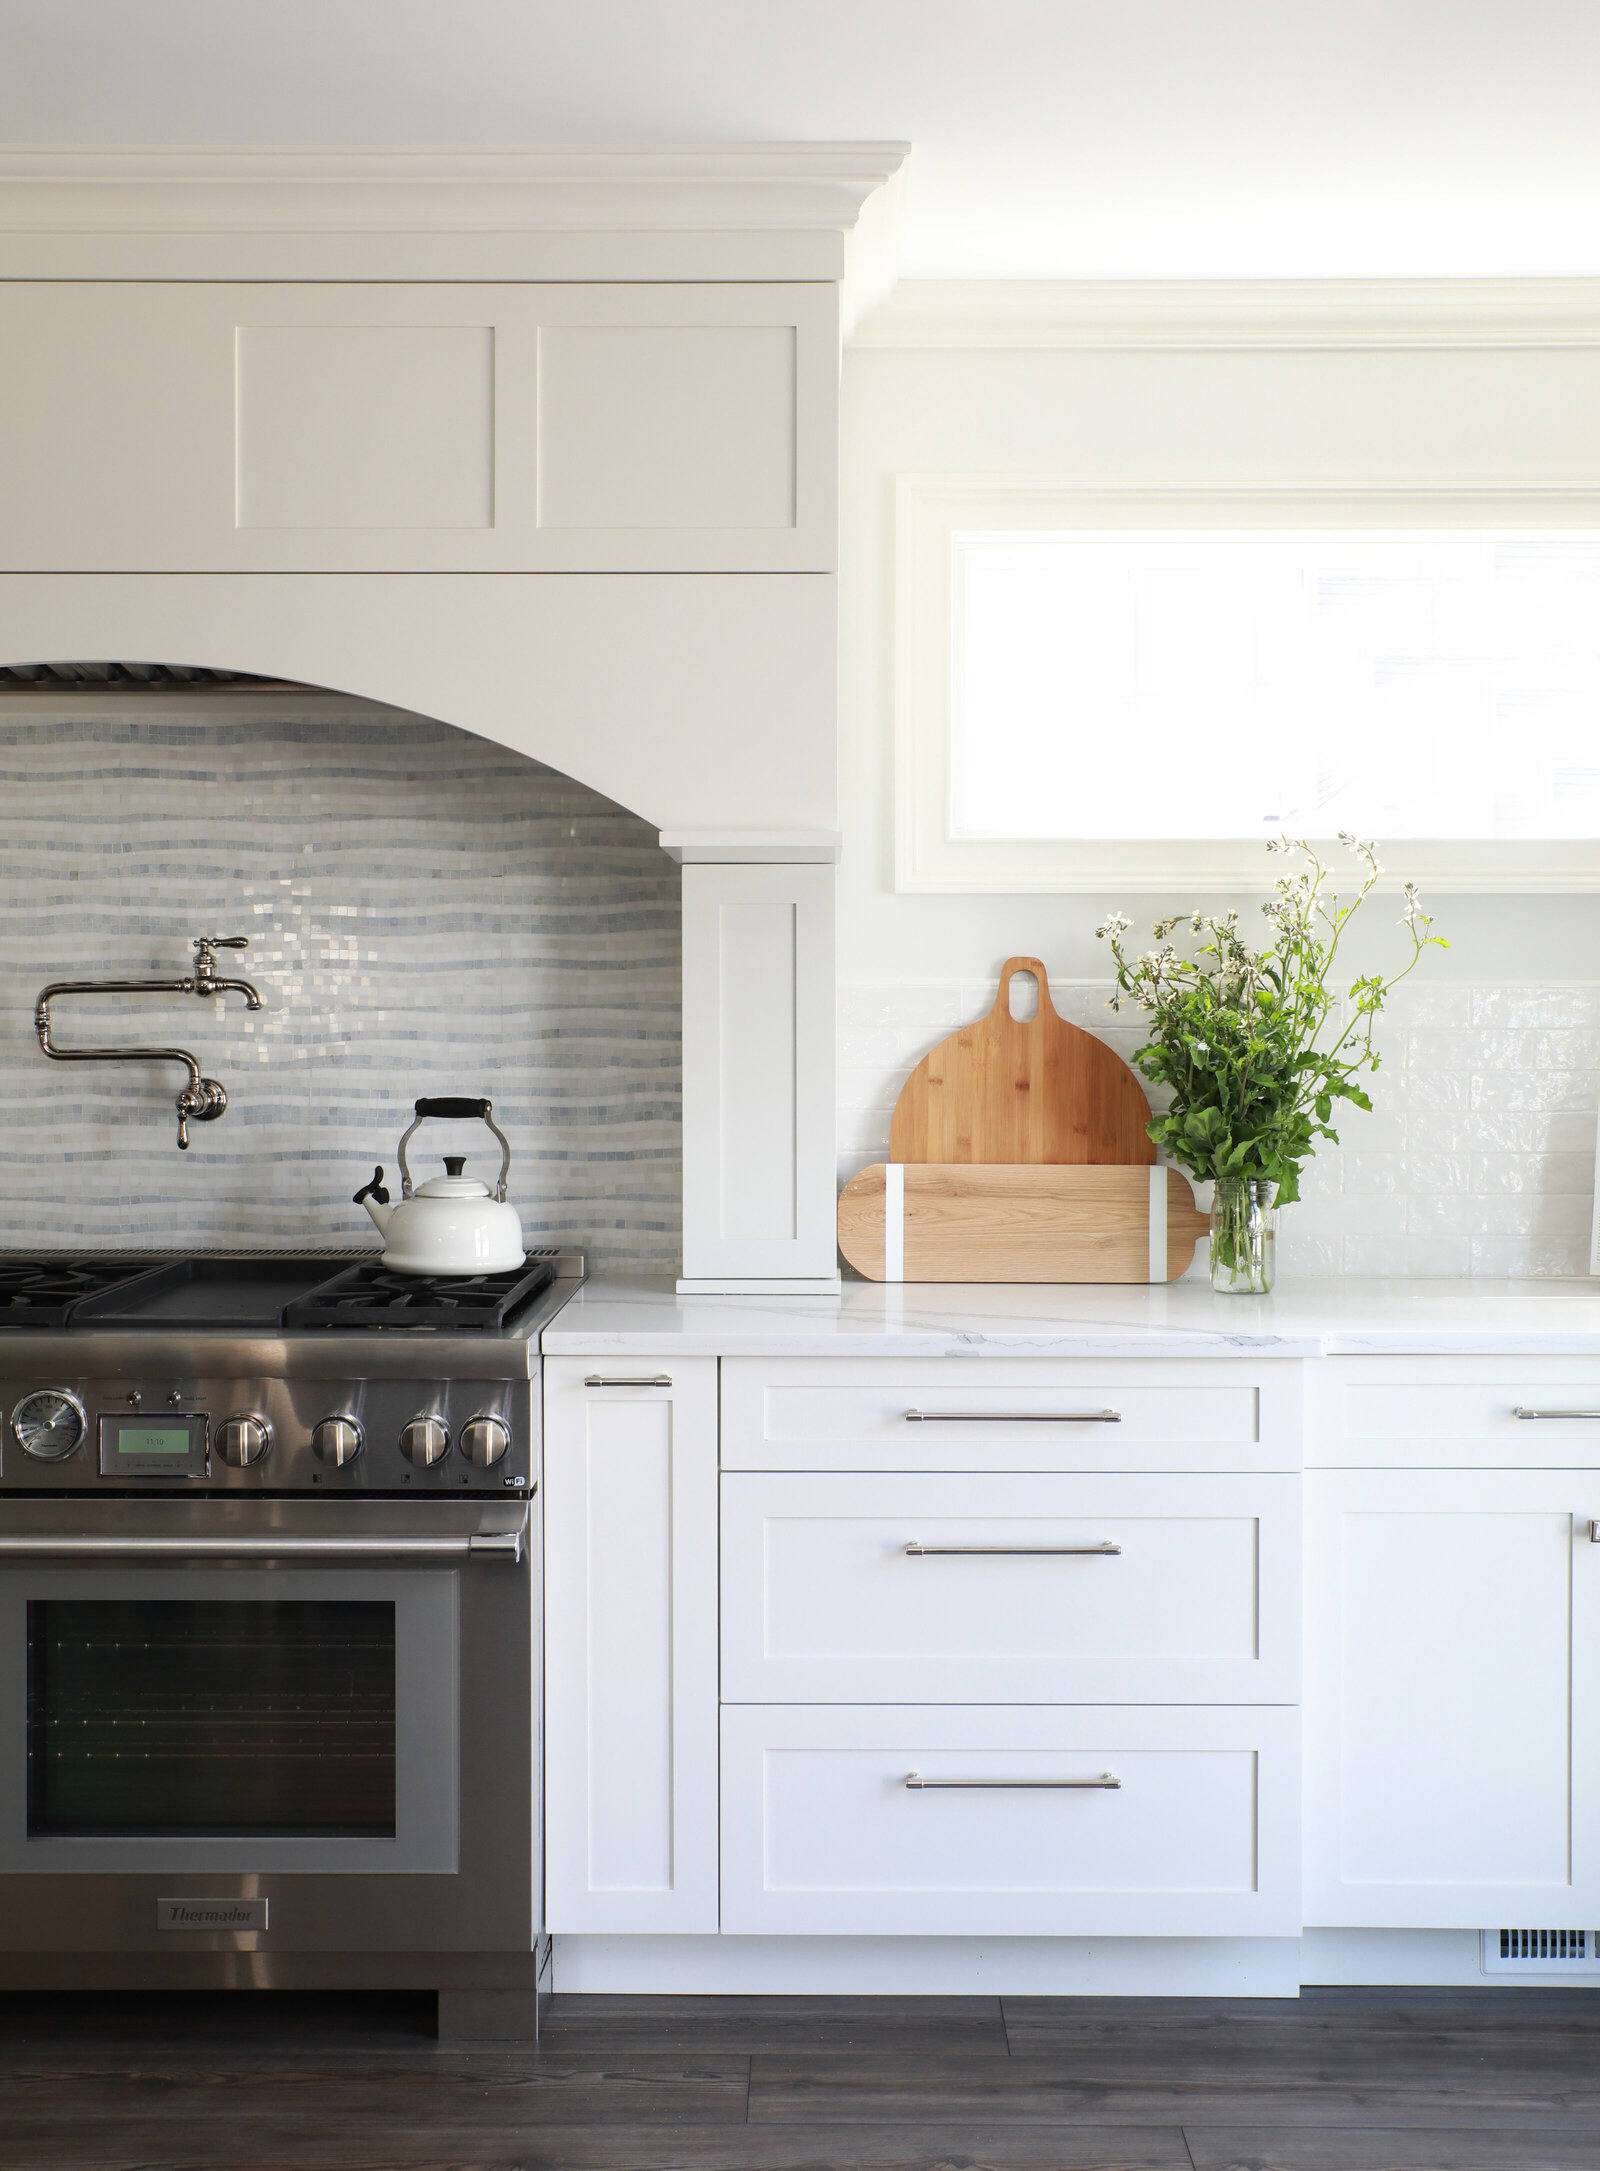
<point>475,1545</point>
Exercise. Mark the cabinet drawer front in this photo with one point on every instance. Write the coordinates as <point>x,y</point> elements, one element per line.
<point>1008,1414</point>
<point>1457,1412</point>
<point>823,1834</point>
<point>1010,1597</point>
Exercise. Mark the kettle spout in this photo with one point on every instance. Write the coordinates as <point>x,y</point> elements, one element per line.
<point>376,1200</point>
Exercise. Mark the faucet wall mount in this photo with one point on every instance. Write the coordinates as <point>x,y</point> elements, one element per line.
<point>201,1100</point>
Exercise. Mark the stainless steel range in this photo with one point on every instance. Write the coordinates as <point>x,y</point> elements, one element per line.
<point>269,1622</point>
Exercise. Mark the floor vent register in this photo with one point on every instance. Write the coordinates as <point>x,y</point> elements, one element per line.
<point>1540,1952</point>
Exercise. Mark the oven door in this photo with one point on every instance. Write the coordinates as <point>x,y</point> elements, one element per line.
<point>279,1701</point>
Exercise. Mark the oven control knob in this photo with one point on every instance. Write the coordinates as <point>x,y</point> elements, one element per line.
<point>425,1441</point>
<point>245,1440</point>
<point>336,1440</point>
<point>484,1441</point>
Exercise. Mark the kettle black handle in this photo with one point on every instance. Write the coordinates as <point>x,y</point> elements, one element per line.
<point>373,1190</point>
<point>451,1106</point>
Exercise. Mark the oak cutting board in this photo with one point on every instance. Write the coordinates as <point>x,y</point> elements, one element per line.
<point>1038,1092</point>
<point>942,1221</point>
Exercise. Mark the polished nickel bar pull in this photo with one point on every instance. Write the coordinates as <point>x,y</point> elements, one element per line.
<point>1106,1781</point>
<point>1541,1416</point>
<point>495,1545</point>
<point>662,1379</point>
<point>1013,1417</point>
<point>1594,1531</point>
<point>1101,1551</point>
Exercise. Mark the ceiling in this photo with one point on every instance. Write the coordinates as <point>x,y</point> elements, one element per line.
<point>1054,139</point>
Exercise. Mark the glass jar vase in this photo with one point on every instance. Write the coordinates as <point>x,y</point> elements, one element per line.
<point>1244,1236</point>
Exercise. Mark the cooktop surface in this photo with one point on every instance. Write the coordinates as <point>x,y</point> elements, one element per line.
<point>317,1291</point>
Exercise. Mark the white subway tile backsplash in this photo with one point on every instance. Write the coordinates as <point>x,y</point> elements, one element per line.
<point>1297,1254</point>
<point>1536,1006</point>
<point>1472,1051</point>
<point>1466,1213</point>
<point>1568,1050</point>
<point>1373,1215</point>
<point>1534,1172</point>
<point>1373,1172</point>
<point>1545,1090</point>
<point>1407,1258</point>
<point>1506,1259</point>
<point>1477,1158</point>
<point>1414,1006</point>
<point>1375,1130</point>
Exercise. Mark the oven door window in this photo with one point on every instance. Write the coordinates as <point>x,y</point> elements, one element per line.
<point>210,1718</point>
<point>234,1718</point>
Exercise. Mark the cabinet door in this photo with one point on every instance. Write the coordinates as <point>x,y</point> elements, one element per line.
<point>418,428</point>
<point>1450,1675</point>
<point>630,1547</point>
<point>759,1090</point>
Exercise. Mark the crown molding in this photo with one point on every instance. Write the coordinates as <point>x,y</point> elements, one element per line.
<point>694,188</point>
<point>1220,313</point>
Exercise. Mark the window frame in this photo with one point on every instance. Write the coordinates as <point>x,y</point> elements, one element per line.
<point>931,509</point>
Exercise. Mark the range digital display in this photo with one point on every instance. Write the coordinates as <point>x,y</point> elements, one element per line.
<point>176,1447</point>
<point>153,1440</point>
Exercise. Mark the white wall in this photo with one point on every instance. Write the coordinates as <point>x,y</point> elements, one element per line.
<point>1479,1155</point>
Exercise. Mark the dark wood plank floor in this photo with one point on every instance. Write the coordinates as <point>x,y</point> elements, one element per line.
<point>1340,2080</point>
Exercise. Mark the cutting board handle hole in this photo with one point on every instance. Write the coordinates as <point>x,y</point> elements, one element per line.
<point>1022,997</point>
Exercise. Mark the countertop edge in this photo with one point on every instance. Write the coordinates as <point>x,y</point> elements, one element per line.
<point>625,1318</point>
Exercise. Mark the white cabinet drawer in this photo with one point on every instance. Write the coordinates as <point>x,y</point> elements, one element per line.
<point>821,1834</point>
<point>824,1600</point>
<point>1456,1412</point>
<point>1002,1413</point>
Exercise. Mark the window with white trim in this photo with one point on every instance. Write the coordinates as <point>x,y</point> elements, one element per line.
<point>1142,691</point>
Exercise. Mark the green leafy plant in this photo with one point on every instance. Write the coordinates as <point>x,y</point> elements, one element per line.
<point>1237,1033</point>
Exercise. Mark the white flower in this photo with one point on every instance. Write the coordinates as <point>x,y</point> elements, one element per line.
<point>1114,924</point>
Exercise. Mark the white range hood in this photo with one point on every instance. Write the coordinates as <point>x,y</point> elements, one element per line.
<point>541,444</point>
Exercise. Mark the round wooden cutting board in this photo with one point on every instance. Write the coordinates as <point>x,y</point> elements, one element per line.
<point>1039,1091</point>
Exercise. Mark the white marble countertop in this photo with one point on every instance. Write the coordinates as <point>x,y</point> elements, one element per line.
<point>1184,1319</point>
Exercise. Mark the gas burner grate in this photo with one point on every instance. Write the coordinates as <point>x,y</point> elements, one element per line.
<point>41,1293</point>
<point>373,1295</point>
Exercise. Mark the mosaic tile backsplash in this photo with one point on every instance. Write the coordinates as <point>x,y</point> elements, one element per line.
<point>1478,1157</point>
<point>427,913</point>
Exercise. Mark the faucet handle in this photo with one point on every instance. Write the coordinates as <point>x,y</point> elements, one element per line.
<point>205,955</point>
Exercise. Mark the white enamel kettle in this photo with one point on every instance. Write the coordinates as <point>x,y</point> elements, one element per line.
<point>453,1224</point>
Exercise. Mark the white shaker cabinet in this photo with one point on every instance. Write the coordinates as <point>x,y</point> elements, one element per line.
<point>759,1205</point>
<point>1451,1675</point>
<point>431,428</point>
<point>630,1543</point>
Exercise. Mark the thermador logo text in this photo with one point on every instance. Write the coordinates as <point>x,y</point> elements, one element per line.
<point>220,1914</point>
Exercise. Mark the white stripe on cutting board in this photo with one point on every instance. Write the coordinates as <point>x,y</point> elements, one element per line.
<point>1158,1223</point>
